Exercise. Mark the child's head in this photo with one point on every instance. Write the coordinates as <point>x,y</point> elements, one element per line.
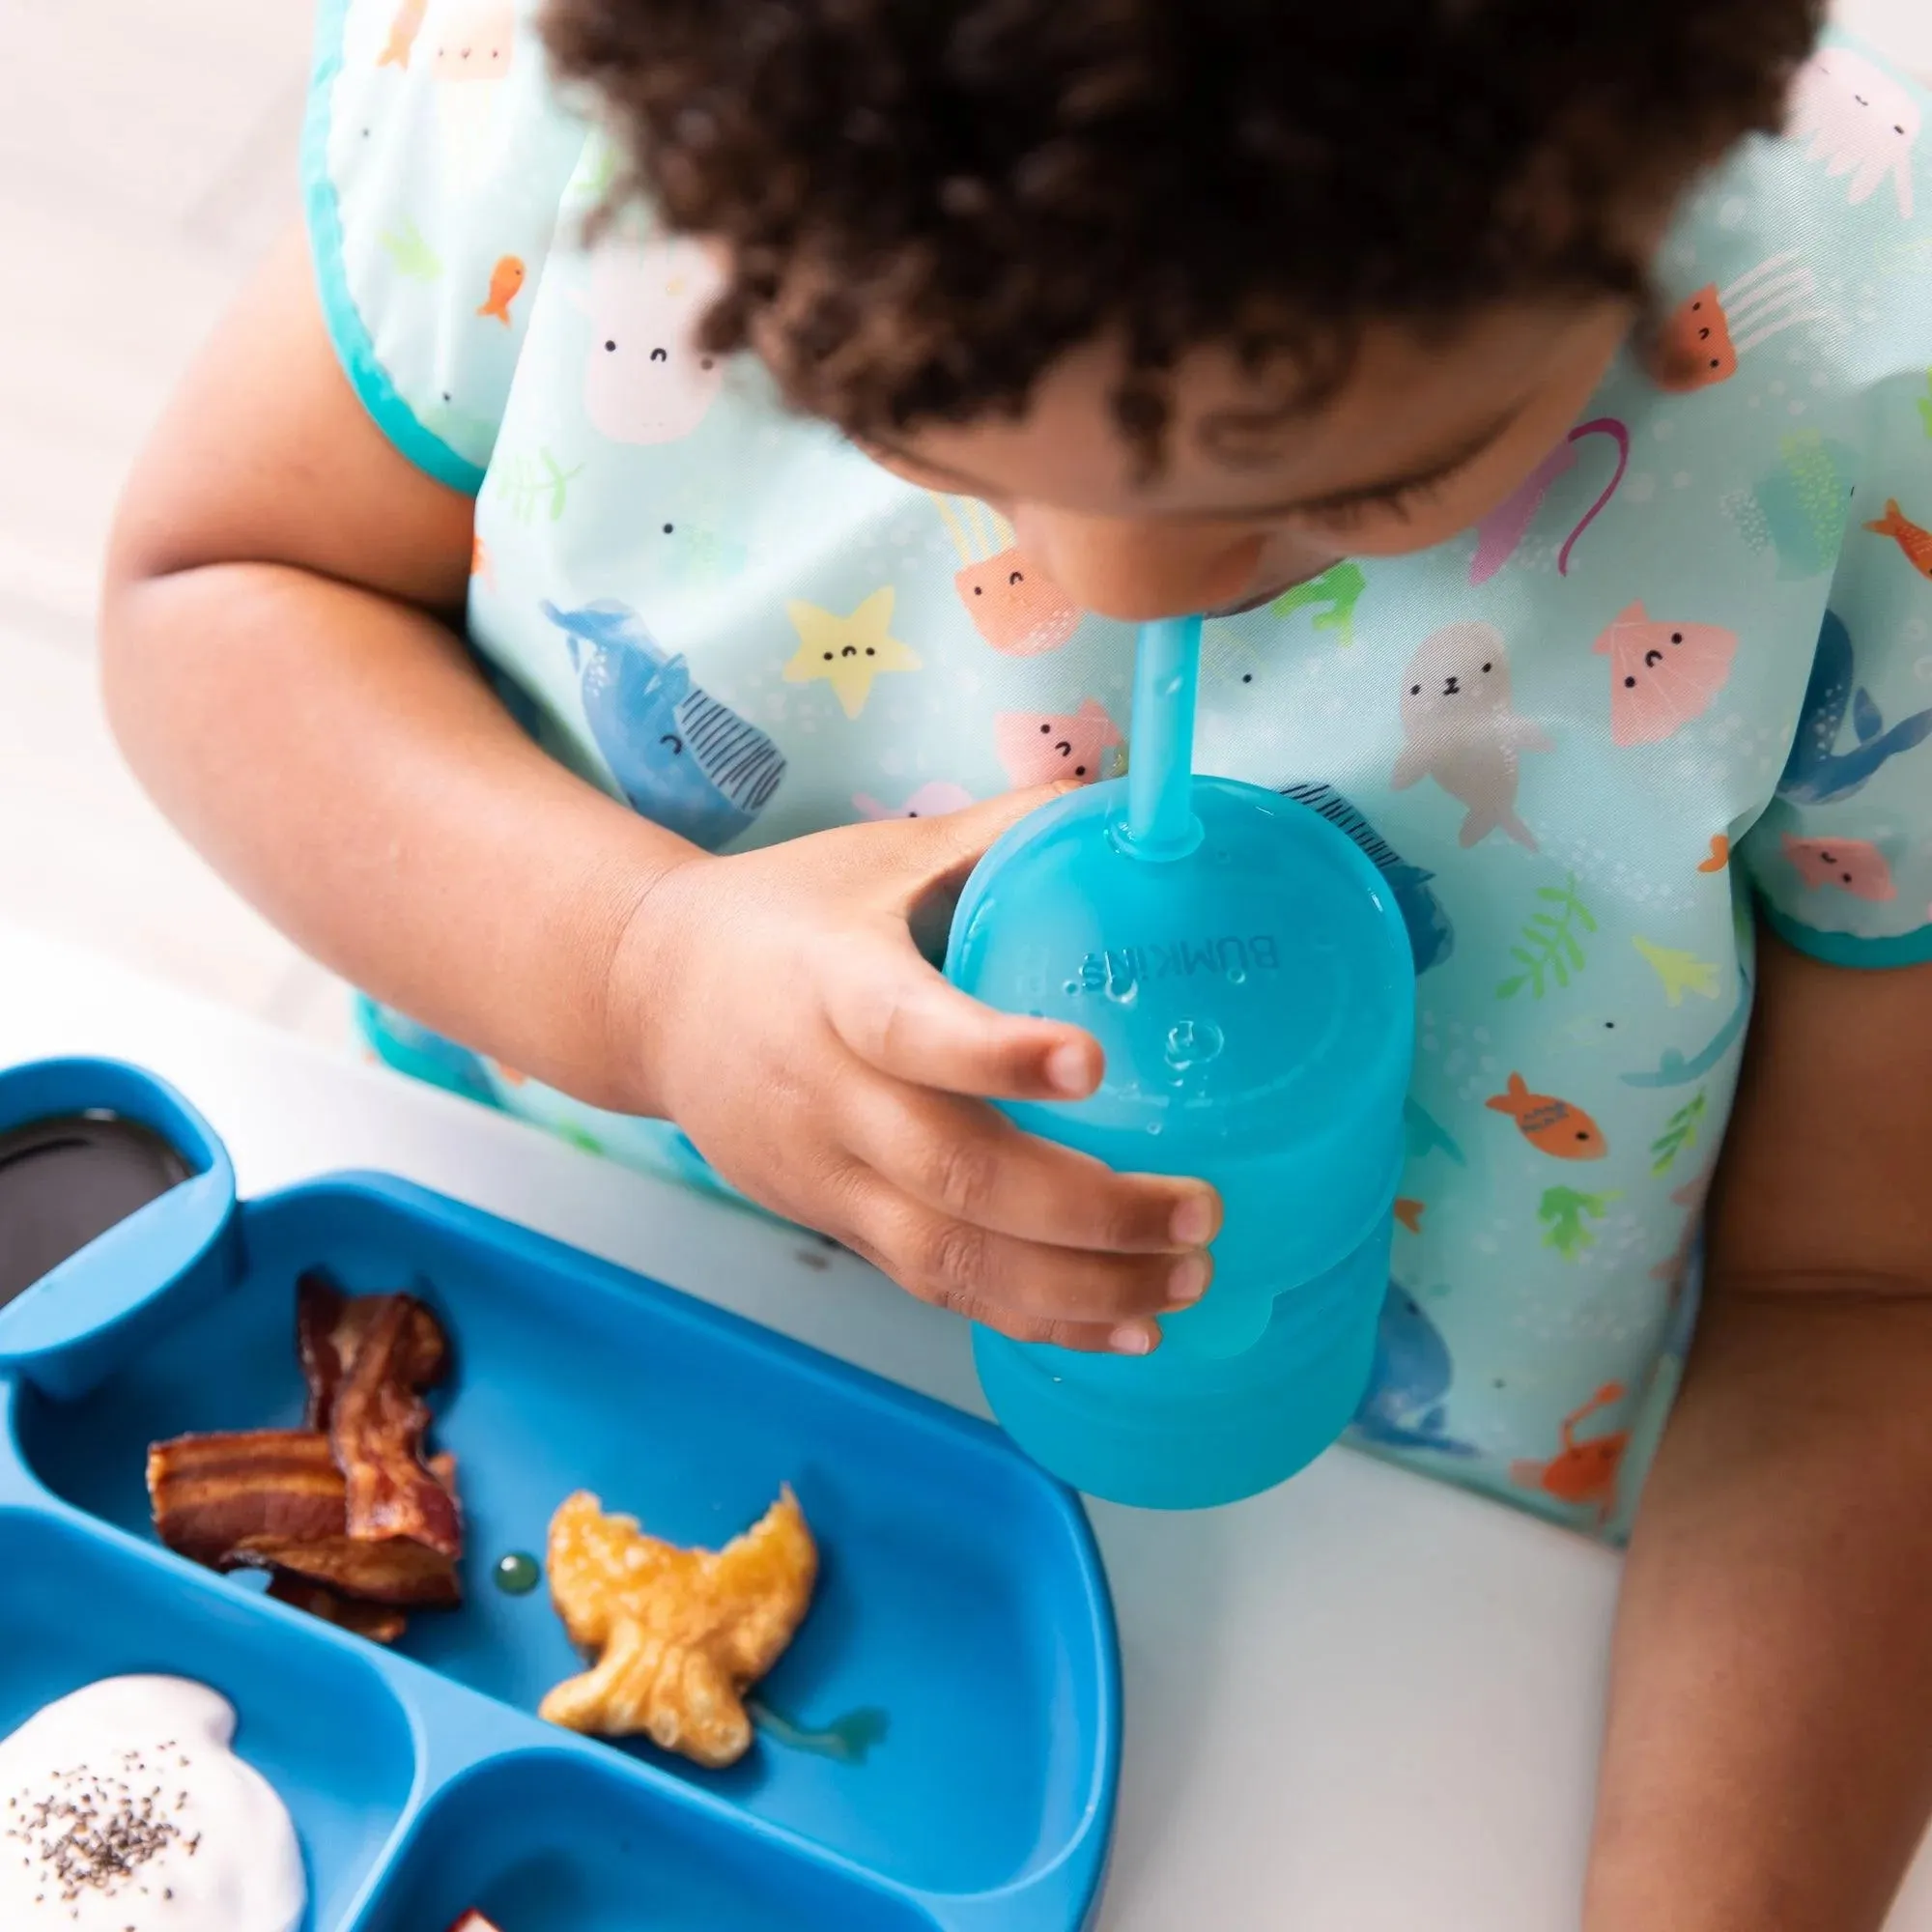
<point>1205,294</point>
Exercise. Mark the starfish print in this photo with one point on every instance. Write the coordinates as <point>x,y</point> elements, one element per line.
<point>681,1634</point>
<point>847,652</point>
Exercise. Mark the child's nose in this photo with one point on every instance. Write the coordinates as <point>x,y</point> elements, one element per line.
<point>1137,569</point>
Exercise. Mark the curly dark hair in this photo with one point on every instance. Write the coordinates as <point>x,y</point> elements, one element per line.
<point>928,201</point>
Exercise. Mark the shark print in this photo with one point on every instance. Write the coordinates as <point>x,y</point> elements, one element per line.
<point>1423,1134</point>
<point>1673,1069</point>
<point>1817,772</point>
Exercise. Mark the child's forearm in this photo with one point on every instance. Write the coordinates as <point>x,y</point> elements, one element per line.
<point>1768,1762</point>
<point>337,756</point>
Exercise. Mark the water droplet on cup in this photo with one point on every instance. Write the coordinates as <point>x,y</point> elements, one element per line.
<point>1191,1043</point>
<point>1237,976</point>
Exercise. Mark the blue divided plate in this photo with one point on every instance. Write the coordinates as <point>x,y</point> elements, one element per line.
<point>961,1627</point>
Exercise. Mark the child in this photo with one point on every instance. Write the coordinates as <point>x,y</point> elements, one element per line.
<point>796,401</point>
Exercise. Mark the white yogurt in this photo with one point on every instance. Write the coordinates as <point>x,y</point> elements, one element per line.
<point>122,1810</point>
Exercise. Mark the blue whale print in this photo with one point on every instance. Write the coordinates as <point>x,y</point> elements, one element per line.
<point>680,758</point>
<point>1431,936</point>
<point>1817,772</point>
<point>1403,1407</point>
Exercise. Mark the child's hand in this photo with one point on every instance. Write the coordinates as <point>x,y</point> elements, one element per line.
<point>793,1030</point>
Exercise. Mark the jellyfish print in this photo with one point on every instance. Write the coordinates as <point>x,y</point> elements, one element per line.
<point>1701,342</point>
<point>475,44</point>
<point>1860,121</point>
<point>1014,603</point>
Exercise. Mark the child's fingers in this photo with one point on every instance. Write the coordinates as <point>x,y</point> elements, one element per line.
<point>1026,1289</point>
<point>943,850</point>
<point>963,1160</point>
<point>900,1016</point>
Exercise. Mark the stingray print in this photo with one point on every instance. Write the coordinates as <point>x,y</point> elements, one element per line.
<point>1854,866</point>
<point>1817,772</point>
<point>1461,730</point>
<point>680,758</point>
<point>1431,938</point>
<point>1409,1381</point>
<point>1859,119</point>
<point>1700,342</point>
<point>1500,534</point>
<point>932,800</point>
<point>1661,674</point>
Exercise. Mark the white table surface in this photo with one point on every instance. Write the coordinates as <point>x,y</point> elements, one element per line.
<point>1364,1703</point>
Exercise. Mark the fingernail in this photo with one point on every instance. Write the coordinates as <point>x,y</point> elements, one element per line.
<point>1067,1069</point>
<point>1193,1223</point>
<point>1130,1338</point>
<point>1189,1280</point>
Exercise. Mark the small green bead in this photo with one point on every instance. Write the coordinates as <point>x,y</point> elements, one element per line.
<point>517,1574</point>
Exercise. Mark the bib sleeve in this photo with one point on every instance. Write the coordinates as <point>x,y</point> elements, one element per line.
<point>1842,859</point>
<point>436,166</point>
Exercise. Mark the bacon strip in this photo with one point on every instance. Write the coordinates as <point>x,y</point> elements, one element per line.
<point>375,1621</point>
<point>211,1492</point>
<point>395,1572</point>
<point>346,1513</point>
<point>331,1328</point>
<point>377,1423</point>
<point>272,1498</point>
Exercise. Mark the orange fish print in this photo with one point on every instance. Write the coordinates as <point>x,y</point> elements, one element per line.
<point>1410,1213</point>
<point>403,31</point>
<point>506,282</point>
<point>1551,1125</point>
<point>1917,544</point>
<point>1721,854</point>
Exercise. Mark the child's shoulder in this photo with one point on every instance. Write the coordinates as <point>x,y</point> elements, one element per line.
<point>1827,226</point>
<point>441,169</point>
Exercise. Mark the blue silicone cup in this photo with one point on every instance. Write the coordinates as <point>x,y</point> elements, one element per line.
<point>1254,998</point>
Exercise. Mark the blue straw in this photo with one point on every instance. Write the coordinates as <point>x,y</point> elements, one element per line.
<point>1167,669</point>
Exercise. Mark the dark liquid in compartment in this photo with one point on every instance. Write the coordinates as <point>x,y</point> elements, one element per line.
<point>67,1179</point>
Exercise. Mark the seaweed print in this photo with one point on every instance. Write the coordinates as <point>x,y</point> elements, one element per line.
<point>1566,1213</point>
<point>1680,1132</point>
<point>534,485</point>
<point>1549,949</point>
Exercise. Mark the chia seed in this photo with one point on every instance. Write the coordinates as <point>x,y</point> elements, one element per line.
<point>93,1833</point>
